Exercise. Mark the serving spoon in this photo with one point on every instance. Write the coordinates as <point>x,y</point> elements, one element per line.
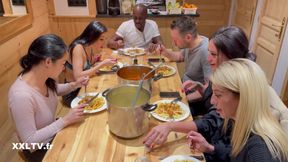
<point>141,84</point>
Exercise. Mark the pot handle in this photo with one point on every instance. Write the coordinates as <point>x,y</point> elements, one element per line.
<point>149,107</point>
<point>157,77</point>
<point>104,93</point>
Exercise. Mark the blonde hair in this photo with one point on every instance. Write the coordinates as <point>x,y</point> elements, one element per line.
<point>246,78</point>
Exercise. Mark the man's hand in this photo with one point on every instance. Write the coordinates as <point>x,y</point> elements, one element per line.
<point>119,44</point>
<point>152,47</point>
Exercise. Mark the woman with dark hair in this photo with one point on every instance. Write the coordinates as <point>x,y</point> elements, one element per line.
<point>228,43</point>
<point>33,96</point>
<point>84,53</point>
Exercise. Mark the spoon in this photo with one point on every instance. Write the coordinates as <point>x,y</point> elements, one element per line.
<point>138,90</point>
<point>141,83</point>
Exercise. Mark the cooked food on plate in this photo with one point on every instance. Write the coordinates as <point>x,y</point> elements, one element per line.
<point>168,110</point>
<point>93,105</point>
<point>135,51</point>
<point>183,161</point>
<point>165,70</point>
<point>106,68</point>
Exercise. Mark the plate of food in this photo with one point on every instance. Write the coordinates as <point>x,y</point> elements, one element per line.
<point>166,70</point>
<point>135,51</point>
<point>98,104</point>
<point>111,67</point>
<point>180,158</point>
<point>166,111</point>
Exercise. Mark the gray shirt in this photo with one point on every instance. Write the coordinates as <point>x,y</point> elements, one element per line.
<point>197,67</point>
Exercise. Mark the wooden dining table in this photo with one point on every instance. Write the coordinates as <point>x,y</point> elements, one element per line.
<point>91,139</point>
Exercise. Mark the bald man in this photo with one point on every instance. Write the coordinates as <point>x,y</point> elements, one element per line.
<point>138,32</point>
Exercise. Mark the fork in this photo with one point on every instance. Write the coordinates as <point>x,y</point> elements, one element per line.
<point>161,59</point>
<point>171,115</point>
<point>85,90</point>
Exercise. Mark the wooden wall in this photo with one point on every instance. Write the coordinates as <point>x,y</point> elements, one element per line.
<point>11,51</point>
<point>213,15</point>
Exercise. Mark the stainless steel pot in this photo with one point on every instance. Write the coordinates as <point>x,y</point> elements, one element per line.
<point>123,120</point>
<point>132,75</point>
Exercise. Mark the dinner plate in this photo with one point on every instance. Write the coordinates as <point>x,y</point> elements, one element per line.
<point>172,72</point>
<point>76,100</point>
<point>106,69</point>
<point>183,106</point>
<point>179,158</point>
<point>127,51</point>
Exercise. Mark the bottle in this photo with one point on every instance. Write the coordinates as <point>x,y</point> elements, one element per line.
<point>135,61</point>
<point>126,7</point>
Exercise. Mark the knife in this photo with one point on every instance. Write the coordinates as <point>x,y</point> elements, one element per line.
<point>91,99</point>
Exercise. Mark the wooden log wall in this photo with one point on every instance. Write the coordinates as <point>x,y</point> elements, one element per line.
<point>11,51</point>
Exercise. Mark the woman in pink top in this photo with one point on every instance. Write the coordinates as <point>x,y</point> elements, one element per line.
<point>33,97</point>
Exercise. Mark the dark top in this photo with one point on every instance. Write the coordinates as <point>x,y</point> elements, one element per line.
<point>255,150</point>
<point>201,107</point>
<point>86,66</point>
<point>211,127</point>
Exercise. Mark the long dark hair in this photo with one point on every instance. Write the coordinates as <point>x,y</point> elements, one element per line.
<point>232,42</point>
<point>46,46</point>
<point>90,34</point>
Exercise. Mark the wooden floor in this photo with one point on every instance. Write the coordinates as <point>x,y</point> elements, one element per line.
<point>9,155</point>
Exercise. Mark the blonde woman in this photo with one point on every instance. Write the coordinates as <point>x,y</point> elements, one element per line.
<point>240,93</point>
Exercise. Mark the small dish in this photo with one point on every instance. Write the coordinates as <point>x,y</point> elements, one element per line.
<point>165,117</point>
<point>76,100</point>
<point>166,70</point>
<point>179,158</point>
<point>110,68</point>
<point>136,51</point>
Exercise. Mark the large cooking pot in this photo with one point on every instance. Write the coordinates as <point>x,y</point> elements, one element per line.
<point>123,120</point>
<point>132,75</point>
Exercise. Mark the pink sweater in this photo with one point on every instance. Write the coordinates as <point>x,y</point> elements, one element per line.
<point>33,113</point>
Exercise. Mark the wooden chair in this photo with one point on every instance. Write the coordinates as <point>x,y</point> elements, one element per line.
<point>22,156</point>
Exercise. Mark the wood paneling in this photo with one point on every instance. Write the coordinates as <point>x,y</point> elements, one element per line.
<point>213,15</point>
<point>11,51</point>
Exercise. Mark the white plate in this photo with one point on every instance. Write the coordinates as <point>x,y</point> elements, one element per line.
<point>182,106</point>
<point>170,67</point>
<point>173,158</point>
<point>120,64</point>
<point>136,54</point>
<point>75,101</point>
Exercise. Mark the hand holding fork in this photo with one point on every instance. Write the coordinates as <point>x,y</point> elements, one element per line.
<point>170,113</point>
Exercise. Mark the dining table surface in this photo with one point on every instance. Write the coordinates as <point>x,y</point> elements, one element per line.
<point>91,140</point>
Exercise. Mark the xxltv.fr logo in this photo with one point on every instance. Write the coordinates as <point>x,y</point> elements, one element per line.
<point>33,146</point>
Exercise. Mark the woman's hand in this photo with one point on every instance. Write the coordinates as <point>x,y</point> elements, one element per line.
<point>81,81</point>
<point>198,142</point>
<point>157,136</point>
<point>191,85</point>
<point>74,115</point>
<point>107,62</point>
